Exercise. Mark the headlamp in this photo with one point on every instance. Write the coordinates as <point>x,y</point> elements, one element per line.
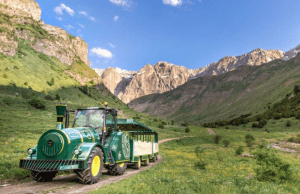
<point>77,151</point>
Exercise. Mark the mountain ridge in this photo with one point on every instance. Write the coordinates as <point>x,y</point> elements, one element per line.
<point>127,91</point>
<point>210,98</point>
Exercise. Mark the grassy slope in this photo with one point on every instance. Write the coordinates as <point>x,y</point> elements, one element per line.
<point>246,89</point>
<point>21,125</point>
<point>225,172</point>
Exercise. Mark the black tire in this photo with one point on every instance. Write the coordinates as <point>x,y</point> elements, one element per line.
<point>42,176</point>
<point>146,162</point>
<point>92,173</point>
<point>137,165</point>
<point>117,169</point>
<point>153,159</point>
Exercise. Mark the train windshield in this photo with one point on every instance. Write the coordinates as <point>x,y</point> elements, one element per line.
<point>89,118</point>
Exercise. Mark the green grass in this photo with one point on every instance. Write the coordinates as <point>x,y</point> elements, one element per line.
<point>225,172</point>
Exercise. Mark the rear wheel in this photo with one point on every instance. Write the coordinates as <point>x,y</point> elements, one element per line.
<point>153,159</point>
<point>117,169</point>
<point>92,173</point>
<point>146,162</point>
<point>137,165</point>
<point>42,176</point>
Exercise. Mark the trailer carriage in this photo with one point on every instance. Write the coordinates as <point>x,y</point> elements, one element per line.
<point>95,141</point>
<point>142,139</point>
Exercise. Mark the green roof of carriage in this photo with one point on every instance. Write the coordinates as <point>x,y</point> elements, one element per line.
<point>132,123</point>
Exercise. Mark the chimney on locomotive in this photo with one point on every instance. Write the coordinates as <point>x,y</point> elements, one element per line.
<point>60,111</point>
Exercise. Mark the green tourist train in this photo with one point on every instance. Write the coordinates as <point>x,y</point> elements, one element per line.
<point>96,140</point>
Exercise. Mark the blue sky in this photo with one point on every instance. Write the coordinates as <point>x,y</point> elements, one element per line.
<point>193,33</point>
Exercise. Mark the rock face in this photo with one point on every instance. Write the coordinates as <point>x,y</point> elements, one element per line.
<point>23,8</point>
<point>128,85</point>
<point>21,20</point>
<point>291,53</point>
<point>255,57</point>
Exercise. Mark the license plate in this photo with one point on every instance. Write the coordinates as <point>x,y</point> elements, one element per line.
<point>68,167</point>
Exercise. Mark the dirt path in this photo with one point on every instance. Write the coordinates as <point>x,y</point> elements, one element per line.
<point>69,184</point>
<point>277,146</point>
<point>210,131</point>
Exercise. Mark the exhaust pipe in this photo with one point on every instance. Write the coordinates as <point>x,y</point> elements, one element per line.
<point>60,111</point>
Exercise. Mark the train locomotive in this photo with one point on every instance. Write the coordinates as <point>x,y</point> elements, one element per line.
<point>96,140</point>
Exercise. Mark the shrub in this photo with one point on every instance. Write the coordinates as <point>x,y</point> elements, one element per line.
<point>276,116</point>
<point>5,76</point>
<point>164,122</point>
<point>48,97</point>
<point>226,143</point>
<point>270,166</point>
<point>92,82</point>
<point>249,139</point>
<point>26,94</point>
<point>155,120</point>
<point>37,103</point>
<point>296,89</point>
<point>51,83</point>
<point>239,150</point>
<point>291,139</point>
<point>57,97</point>
<point>200,163</point>
<point>185,124</point>
<point>84,89</point>
<point>161,126</point>
<point>288,123</point>
<point>172,122</point>
<point>187,130</point>
<point>217,138</point>
<point>25,83</point>
<point>254,125</point>
<point>7,100</point>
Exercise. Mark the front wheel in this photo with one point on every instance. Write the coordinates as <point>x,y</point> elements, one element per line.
<point>42,176</point>
<point>92,173</point>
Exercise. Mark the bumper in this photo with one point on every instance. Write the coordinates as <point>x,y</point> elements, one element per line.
<point>51,165</point>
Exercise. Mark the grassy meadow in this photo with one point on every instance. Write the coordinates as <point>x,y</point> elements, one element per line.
<point>224,172</point>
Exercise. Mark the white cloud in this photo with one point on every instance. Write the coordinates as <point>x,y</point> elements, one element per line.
<point>82,26</point>
<point>87,15</point>
<point>116,18</point>
<point>83,13</point>
<point>59,10</point>
<point>127,4</point>
<point>111,45</point>
<point>69,27</point>
<point>59,18</point>
<point>119,2</point>
<point>172,2</point>
<point>102,53</point>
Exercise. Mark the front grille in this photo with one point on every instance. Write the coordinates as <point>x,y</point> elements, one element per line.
<point>51,165</point>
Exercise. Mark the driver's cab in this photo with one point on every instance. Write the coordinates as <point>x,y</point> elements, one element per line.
<point>96,118</point>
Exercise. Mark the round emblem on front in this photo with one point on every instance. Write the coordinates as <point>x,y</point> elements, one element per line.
<point>50,143</point>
